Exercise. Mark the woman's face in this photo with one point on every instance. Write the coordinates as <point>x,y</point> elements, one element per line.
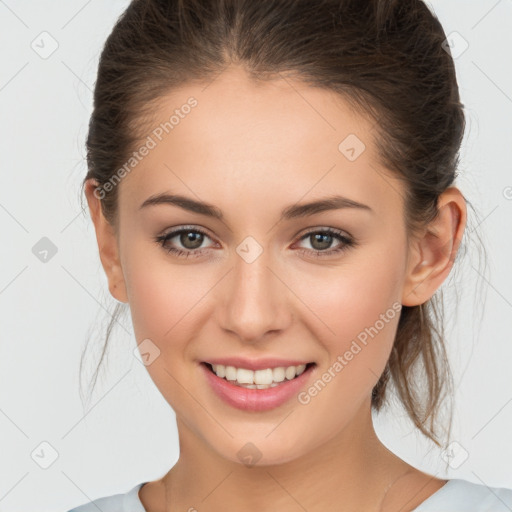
<point>260,284</point>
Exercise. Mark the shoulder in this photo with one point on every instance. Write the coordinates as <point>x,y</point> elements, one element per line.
<point>124,502</point>
<point>457,493</point>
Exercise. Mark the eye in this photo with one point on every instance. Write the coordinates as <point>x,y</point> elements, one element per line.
<point>323,239</point>
<point>190,238</point>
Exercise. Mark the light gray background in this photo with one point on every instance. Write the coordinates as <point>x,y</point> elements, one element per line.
<point>127,433</point>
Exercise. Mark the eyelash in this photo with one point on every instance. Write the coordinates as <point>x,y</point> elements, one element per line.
<point>347,242</point>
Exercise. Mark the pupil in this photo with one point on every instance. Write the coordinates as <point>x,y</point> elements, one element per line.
<point>320,236</point>
<point>190,236</point>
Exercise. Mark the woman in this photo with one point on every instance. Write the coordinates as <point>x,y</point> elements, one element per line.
<point>272,189</point>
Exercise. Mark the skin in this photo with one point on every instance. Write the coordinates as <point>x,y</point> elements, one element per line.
<point>252,150</point>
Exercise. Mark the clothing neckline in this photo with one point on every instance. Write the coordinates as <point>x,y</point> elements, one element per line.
<point>435,496</point>
<point>428,501</point>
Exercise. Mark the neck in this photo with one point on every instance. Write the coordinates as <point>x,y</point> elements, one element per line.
<point>353,468</point>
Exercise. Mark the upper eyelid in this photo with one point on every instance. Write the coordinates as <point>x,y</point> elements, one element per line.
<point>177,231</point>
<point>205,231</point>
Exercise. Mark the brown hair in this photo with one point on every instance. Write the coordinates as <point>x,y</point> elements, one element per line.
<point>386,57</point>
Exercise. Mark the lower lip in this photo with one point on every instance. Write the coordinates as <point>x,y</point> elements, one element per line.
<point>256,399</point>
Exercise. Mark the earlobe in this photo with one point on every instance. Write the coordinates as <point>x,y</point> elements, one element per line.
<point>107,244</point>
<point>432,254</point>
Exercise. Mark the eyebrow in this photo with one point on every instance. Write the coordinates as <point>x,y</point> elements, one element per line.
<point>335,202</point>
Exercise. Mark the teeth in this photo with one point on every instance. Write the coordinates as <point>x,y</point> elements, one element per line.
<point>258,379</point>
<point>220,370</point>
<point>245,376</point>
<point>278,374</point>
<point>290,372</point>
<point>263,376</point>
<point>230,372</point>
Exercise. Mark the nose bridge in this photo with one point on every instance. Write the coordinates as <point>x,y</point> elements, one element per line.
<point>256,298</point>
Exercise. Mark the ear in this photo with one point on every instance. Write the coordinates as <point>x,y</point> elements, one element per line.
<point>107,243</point>
<point>433,252</point>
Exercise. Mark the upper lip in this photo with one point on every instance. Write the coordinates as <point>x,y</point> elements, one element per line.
<point>256,364</point>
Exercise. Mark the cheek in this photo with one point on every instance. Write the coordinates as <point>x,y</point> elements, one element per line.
<point>159,293</point>
<point>163,302</point>
<point>168,304</point>
<point>359,307</point>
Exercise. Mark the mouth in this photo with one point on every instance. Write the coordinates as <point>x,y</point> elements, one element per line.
<point>258,379</point>
<point>256,390</point>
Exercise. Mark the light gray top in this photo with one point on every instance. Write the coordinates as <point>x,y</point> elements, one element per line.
<point>456,495</point>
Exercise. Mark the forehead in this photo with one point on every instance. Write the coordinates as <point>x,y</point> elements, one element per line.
<point>277,140</point>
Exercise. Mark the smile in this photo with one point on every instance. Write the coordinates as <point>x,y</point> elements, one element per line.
<point>258,379</point>
<point>257,390</point>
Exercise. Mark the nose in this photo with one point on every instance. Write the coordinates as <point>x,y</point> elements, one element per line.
<point>254,300</point>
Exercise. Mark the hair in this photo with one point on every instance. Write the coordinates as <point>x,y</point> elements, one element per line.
<point>387,58</point>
